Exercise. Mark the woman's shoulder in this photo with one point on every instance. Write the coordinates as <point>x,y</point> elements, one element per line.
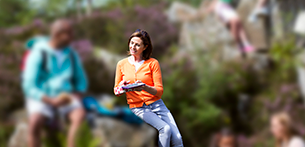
<point>296,141</point>
<point>153,63</point>
<point>123,61</point>
<point>152,60</point>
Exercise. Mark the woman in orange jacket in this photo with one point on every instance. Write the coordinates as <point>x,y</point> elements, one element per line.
<point>145,101</point>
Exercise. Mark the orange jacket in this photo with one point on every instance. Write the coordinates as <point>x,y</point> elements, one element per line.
<point>149,73</point>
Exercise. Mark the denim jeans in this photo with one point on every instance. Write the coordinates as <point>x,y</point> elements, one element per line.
<point>158,116</point>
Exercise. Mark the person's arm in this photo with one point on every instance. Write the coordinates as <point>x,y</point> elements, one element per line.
<point>81,82</point>
<point>55,102</point>
<point>150,89</point>
<point>31,78</point>
<point>118,75</point>
<point>205,8</point>
<point>157,78</point>
<point>119,79</point>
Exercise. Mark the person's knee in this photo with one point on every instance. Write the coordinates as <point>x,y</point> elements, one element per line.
<point>235,22</point>
<point>166,130</point>
<point>77,116</point>
<point>81,113</point>
<point>177,138</point>
<point>35,124</point>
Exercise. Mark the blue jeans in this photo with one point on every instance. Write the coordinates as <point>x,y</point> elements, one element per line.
<point>158,116</point>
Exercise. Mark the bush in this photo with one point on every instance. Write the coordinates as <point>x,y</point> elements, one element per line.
<point>113,28</point>
<point>84,138</point>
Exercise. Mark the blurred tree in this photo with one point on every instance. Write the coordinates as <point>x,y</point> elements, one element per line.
<point>194,3</point>
<point>14,12</point>
<point>51,9</point>
<point>131,3</point>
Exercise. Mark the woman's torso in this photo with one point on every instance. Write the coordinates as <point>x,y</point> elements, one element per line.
<point>294,142</point>
<point>144,73</point>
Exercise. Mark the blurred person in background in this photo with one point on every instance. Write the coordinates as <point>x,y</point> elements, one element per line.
<point>230,18</point>
<point>226,138</point>
<point>53,68</point>
<point>283,131</point>
<point>260,9</point>
<point>145,101</point>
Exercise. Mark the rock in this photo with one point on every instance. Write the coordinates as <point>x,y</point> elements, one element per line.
<point>116,133</point>
<point>100,70</point>
<point>109,59</point>
<point>256,31</point>
<point>18,138</point>
<point>179,11</point>
<point>262,61</point>
<point>277,20</point>
<point>301,73</point>
<point>299,27</point>
<point>206,33</point>
<point>206,36</point>
<point>111,132</point>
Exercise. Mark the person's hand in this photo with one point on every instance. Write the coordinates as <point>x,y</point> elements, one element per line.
<point>56,102</point>
<point>124,83</point>
<point>139,88</point>
<point>78,95</point>
<point>61,101</point>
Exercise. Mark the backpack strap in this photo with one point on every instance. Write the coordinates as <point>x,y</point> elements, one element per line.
<point>44,61</point>
<point>73,78</point>
<point>72,58</point>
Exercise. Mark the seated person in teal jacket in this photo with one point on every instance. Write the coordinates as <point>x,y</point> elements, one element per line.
<point>51,69</point>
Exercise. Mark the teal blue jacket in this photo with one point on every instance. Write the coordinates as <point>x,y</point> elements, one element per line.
<point>37,82</point>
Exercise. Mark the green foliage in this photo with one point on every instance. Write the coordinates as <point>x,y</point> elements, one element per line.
<point>194,3</point>
<point>285,56</point>
<point>5,132</point>
<point>130,3</point>
<point>14,12</point>
<point>84,138</point>
<point>202,93</point>
<point>267,143</point>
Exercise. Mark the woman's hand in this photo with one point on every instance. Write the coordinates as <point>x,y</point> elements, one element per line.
<point>124,83</point>
<point>150,89</point>
<point>139,88</point>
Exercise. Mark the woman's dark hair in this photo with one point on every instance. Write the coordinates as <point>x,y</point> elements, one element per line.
<point>146,41</point>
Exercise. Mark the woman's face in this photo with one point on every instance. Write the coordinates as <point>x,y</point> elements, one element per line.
<point>277,129</point>
<point>227,141</point>
<point>136,46</point>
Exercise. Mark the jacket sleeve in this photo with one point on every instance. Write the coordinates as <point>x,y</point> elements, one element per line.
<point>31,74</point>
<point>157,77</point>
<point>118,78</point>
<point>118,75</point>
<point>81,81</point>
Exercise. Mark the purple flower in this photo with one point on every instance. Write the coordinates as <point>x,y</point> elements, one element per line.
<point>286,88</point>
<point>37,23</point>
<point>95,14</point>
<point>15,30</point>
<point>83,47</point>
<point>115,14</point>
